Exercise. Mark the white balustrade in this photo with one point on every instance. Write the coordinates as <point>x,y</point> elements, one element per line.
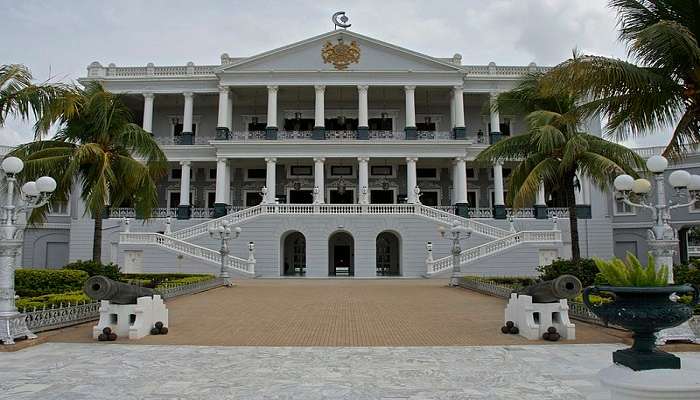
<point>186,248</point>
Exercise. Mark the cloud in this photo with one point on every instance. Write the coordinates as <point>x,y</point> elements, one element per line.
<point>10,137</point>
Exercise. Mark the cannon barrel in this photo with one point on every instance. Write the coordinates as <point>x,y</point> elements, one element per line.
<point>102,288</point>
<point>563,287</point>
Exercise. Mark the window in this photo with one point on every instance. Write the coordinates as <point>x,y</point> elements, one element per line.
<point>212,174</point>
<point>211,199</point>
<point>430,198</point>
<point>471,173</point>
<point>59,208</point>
<point>256,174</point>
<point>341,170</point>
<point>252,199</point>
<point>178,127</point>
<point>380,124</point>
<point>176,174</point>
<point>473,199</point>
<point>620,208</point>
<point>427,173</point>
<point>381,170</point>
<point>301,170</point>
<point>174,198</point>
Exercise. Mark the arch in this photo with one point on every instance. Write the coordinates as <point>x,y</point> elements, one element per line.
<point>293,260</point>
<point>341,254</point>
<point>388,253</point>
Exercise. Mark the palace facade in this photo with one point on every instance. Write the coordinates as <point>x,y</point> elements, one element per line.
<point>340,155</point>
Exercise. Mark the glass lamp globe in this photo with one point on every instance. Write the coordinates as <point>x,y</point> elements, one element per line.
<point>238,230</point>
<point>12,165</point>
<point>30,189</point>
<point>657,164</point>
<point>221,229</point>
<point>679,179</point>
<point>694,182</point>
<point>46,184</point>
<point>641,186</point>
<point>623,183</point>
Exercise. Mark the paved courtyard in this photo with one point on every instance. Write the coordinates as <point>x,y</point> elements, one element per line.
<point>79,371</point>
<point>340,312</point>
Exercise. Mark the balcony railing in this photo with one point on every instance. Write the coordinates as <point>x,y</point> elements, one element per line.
<point>195,213</point>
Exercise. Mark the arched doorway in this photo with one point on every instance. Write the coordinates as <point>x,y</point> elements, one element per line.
<point>294,254</point>
<point>341,254</point>
<point>388,254</point>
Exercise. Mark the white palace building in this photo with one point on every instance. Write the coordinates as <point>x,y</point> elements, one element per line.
<point>337,155</point>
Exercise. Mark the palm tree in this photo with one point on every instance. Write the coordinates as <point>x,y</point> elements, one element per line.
<point>555,149</point>
<point>659,87</point>
<point>112,160</point>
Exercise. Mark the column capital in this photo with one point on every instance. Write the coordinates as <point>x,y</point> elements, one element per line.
<point>363,159</point>
<point>148,95</point>
<point>221,159</point>
<point>460,159</point>
<point>185,163</point>
<point>458,88</point>
<point>319,159</point>
<point>498,163</point>
<point>362,88</point>
<point>223,89</point>
<point>270,160</point>
<point>272,88</point>
<point>320,87</point>
<point>494,94</point>
<point>411,159</point>
<point>188,94</point>
<point>409,87</point>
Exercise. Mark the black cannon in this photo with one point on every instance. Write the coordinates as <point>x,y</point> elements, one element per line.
<point>563,287</point>
<point>102,288</point>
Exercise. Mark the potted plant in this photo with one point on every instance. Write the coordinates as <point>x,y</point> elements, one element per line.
<point>641,304</point>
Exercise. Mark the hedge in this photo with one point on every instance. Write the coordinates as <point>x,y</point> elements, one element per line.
<point>38,282</point>
<point>154,280</point>
<point>93,268</point>
<point>585,270</point>
<point>48,300</point>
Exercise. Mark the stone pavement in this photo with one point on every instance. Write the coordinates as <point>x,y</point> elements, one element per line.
<point>77,371</point>
<point>338,312</point>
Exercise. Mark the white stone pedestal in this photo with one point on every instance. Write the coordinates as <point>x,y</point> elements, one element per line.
<point>132,320</point>
<point>533,319</point>
<point>627,384</point>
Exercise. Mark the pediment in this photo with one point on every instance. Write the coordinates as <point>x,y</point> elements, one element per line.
<point>340,50</point>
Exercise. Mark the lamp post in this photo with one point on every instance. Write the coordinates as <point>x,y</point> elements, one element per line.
<point>661,238</point>
<point>224,233</point>
<point>457,234</point>
<point>34,194</point>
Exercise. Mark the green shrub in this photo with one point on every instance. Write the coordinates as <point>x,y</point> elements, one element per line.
<point>37,282</point>
<point>513,282</point>
<point>185,281</point>
<point>154,280</point>
<point>49,300</point>
<point>617,273</point>
<point>585,270</point>
<point>93,268</point>
<point>686,274</point>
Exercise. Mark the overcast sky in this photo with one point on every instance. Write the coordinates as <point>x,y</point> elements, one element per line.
<point>59,39</point>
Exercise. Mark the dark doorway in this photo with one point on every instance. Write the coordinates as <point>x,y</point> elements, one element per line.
<point>301,124</point>
<point>429,198</point>
<point>301,197</point>
<point>294,255</point>
<point>381,196</point>
<point>388,254</point>
<point>346,197</point>
<point>341,124</point>
<point>341,255</point>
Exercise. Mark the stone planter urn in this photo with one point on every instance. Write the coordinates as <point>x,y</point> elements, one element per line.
<point>644,311</point>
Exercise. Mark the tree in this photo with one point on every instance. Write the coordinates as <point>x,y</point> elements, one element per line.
<point>112,160</point>
<point>555,150</point>
<point>659,87</point>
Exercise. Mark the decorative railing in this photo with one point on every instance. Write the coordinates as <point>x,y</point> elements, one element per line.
<point>192,250</point>
<point>559,212</point>
<point>496,246</point>
<point>577,310</point>
<point>694,251</point>
<point>124,212</point>
<point>448,219</point>
<point>204,227</point>
<point>63,315</point>
<point>480,213</point>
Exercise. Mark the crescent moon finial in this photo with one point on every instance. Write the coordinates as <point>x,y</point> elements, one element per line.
<point>342,21</point>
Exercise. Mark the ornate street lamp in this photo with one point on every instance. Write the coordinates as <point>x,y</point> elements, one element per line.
<point>224,233</point>
<point>34,194</point>
<point>457,234</point>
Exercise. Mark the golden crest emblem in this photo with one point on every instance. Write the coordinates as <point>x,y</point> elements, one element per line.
<point>340,55</point>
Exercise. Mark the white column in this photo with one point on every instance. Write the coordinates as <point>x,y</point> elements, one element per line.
<point>187,113</point>
<point>148,112</point>
<point>184,183</point>
<point>319,179</point>
<point>452,110</point>
<point>223,107</point>
<point>498,184</point>
<point>578,193</point>
<point>460,180</point>
<point>362,118</point>
<point>271,180</point>
<point>411,180</point>
<point>458,93</point>
<point>540,196</point>
<point>410,106</point>
<point>221,166</point>
<point>363,178</point>
<point>494,114</point>
<point>272,107</point>
<point>229,174</point>
<point>319,110</point>
<point>586,185</point>
<point>229,112</point>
